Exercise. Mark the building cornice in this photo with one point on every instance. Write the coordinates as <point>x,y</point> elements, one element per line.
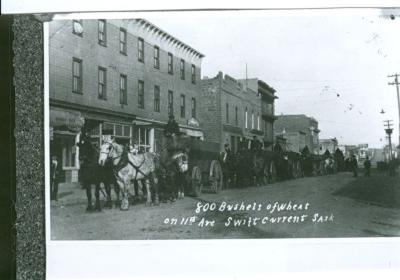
<point>155,29</point>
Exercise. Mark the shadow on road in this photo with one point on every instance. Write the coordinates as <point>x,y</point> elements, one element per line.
<point>378,190</point>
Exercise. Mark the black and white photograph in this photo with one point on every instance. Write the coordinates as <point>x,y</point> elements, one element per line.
<point>224,125</point>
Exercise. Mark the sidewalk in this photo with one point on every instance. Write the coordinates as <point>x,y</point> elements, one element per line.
<point>70,194</point>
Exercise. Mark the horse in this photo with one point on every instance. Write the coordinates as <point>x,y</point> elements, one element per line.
<point>93,174</point>
<point>174,165</point>
<point>130,167</point>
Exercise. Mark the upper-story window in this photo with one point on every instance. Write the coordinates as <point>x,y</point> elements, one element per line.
<point>102,83</point>
<point>227,112</point>
<point>182,69</point>
<point>141,50</point>
<point>156,57</point>
<point>193,107</point>
<point>170,102</point>
<point>141,94</point>
<point>193,74</point>
<point>252,119</point>
<point>102,32</point>
<point>77,27</point>
<point>170,64</point>
<point>122,41</point>
<point>245,119</point>
<point>183,106</point>
<point>123,98</point>
<point>236,116</point>
<point>156,99</point>
<point>76,75</point>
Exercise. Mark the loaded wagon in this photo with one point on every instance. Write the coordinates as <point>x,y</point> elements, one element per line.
<point>204,172</point>
<point>204,167</point>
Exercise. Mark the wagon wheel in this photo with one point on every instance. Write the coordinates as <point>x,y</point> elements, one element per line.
<point>196,181</point>
<point>216,176</point>
<point>273,175</point>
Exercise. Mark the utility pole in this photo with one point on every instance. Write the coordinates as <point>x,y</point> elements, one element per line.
<point>389,131</point>
<point>396,82</point>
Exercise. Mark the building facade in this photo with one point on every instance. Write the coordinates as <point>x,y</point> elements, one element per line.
<point>119,77</point>
<point>268,97</point>
<point>232,112</point>
<point>328,145</point>
<point>299,131</point>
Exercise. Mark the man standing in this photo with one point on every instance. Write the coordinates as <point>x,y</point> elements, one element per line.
<point>227,161</point>
<point>55,175</point>
<point>367,167</point>
<point>354,165</point>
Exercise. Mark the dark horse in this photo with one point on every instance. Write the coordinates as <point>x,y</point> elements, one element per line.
<point>91,173</point>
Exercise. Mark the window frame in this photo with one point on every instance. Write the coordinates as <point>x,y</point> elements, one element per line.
<point>170,102</point>
<point>157,96</point>
<point>193,74</point>
<point>141,50</point>
<point>182,69</point>
<point>103,85</point>
<point>141,102</point>
<point>102,41</point>
<point>80,21</point>
<point>227,112</point>
<point>183,106</point>
<point>193,107</point>
<point>79,78</point>
<point>123,92</point>
<point>236,116</point>
<point>123,43</point>
<point>170,63</point>
<point>156,56</point>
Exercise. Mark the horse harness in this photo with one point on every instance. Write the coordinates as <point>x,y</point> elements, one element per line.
<point>121,165</point>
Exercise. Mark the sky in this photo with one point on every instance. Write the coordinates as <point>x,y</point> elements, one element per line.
<point>328,64</point>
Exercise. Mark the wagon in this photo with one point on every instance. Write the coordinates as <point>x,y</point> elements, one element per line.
<point>204,169</point>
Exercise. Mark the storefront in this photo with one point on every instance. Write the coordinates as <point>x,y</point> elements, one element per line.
<point>65,127</point>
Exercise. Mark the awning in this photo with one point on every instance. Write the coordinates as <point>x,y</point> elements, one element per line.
<point>64,120</point>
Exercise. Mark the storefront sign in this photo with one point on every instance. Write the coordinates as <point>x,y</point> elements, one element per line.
<point>66,120</point>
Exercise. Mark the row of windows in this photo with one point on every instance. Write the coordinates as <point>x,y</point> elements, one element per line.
<point>77,28</point>
<point>77,78</point>
<point>245,117</point>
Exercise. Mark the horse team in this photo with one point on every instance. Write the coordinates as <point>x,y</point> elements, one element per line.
<point>124,167</point>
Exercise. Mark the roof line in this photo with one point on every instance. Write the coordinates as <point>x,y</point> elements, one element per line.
<point>169,36</point>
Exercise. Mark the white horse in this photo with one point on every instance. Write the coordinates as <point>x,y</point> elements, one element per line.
<point>130,166</point>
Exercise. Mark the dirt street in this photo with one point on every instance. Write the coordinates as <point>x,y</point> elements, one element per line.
<point>329,206</point>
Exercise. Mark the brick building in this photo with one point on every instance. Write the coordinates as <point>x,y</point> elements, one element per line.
<point>120,77</point>
<point>232,112</point>
<point>299,131</point>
